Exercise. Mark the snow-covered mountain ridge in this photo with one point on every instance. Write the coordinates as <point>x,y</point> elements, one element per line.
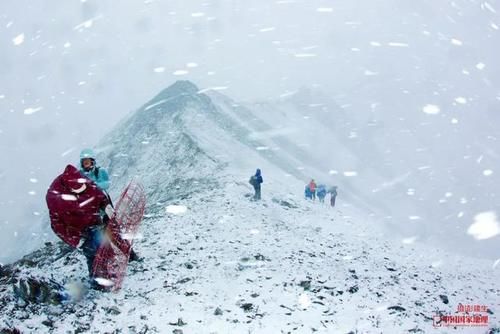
<point>231,265</point>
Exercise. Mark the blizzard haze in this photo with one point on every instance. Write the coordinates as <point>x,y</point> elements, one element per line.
<point>423,74</point>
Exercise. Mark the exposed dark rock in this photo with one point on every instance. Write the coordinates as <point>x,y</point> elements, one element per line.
<point>306,285</point>
<point>112,310</point>
<point>81,328</point>
<point>10,331</point>
<point>444,298</point>
<point>179,322</point>
<point>49,323</point>
<point>288,308</point>
<point>396,308</point>
<point>247,307</point>
<point>218,311</point>
<point>286,204</point>
<point>353,289</point>
<point>260,257</point>
<point>184,280</point>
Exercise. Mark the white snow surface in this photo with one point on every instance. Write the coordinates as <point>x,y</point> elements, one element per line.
<point>297,274</point>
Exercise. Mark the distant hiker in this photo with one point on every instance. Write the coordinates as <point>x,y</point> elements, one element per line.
<point>99,175</point>
<point>312,188</point>
<point>256,180</point>
<point>74,204</point>
<point>308,193</point>
<point>333,195</point>
<point>321,192</point>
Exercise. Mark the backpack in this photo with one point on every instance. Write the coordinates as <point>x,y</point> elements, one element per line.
<point>253,180</point>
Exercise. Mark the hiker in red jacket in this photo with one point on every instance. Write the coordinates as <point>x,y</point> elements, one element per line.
<point>312,188</point>
<point>74,203</point>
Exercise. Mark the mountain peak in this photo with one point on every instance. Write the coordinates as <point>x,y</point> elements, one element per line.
<point>180,87</point>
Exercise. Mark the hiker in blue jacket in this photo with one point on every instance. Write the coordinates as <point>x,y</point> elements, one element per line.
<point>321,192</point>
<point>89,168</point>
<point>307,192</point>
<point>256,180</point>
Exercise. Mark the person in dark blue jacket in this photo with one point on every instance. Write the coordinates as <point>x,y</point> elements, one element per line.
<point>333,195</point>
<point>256,180</point>
<point>321,192</point>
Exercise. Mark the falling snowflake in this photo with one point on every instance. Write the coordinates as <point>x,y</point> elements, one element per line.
<point>431,109</point>
<point>487,172</point>
<point>104,282</point>
<point>30,111</point>
<point>18,40</point>
<point>180,72</point>
<point>409,241</point>
<point>485,226</point>
<point>176,209</point>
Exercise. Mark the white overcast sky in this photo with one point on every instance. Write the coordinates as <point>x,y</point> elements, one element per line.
<point>70,69</point>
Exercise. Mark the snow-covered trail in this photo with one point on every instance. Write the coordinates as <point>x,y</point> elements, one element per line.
<point>230,265</point>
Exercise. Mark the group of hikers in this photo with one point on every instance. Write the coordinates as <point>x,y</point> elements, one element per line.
<point>313,190</point>
<point>80,207</point>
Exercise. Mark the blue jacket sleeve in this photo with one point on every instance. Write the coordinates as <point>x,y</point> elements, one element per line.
<point>103,179</point>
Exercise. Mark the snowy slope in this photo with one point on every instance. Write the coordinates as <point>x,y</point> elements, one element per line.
<point>421,175</point>
<point>301,269</point>
<point>230,265</point>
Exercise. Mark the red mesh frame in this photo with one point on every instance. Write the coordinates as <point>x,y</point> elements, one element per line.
<point>111,260</point>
